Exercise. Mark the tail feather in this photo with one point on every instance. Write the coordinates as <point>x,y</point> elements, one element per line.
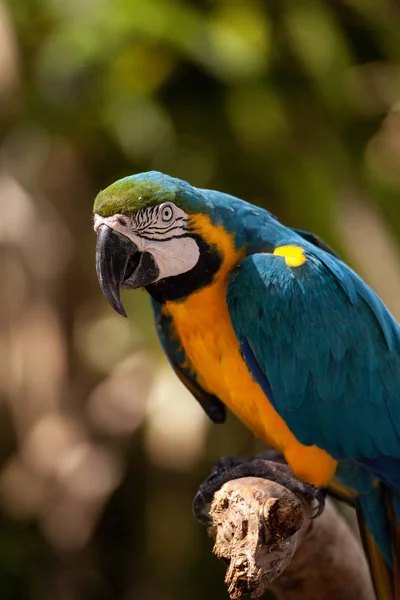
<point>378,512</point>
<point>381,573</point>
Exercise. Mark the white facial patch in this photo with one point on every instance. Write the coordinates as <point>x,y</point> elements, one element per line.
<point>161,231</point>
<point>174,257</point>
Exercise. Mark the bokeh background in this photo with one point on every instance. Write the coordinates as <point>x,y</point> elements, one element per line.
<point>291,104</point>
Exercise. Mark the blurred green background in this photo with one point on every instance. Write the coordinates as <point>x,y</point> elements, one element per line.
<point>291,104</point>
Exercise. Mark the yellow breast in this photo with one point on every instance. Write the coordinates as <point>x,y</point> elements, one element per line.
<point>204,328</point>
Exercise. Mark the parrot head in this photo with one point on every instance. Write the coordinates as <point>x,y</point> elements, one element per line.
<point>148,237</point>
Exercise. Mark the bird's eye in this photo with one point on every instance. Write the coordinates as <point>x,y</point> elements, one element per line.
<point>167,213</point>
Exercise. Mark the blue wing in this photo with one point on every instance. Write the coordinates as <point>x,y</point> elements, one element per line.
<point>328,350</point>
<point>177,359</point>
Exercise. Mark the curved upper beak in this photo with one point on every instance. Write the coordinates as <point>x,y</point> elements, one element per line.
<point>113,251</point>
<point>120,264</point>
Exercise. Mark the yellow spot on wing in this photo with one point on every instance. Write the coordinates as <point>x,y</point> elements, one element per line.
<point>294,255</point>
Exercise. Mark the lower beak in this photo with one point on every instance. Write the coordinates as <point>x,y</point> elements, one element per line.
<point>120,264</point>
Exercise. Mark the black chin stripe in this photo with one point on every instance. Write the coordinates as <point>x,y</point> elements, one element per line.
<point>181,286</point>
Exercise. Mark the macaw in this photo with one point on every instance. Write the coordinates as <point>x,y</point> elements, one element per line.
<point>269,322</point>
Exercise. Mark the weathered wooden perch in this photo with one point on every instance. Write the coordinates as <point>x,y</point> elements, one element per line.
<point>267,537</point>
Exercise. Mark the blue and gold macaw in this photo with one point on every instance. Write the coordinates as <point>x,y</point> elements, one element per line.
<point>269,322</point>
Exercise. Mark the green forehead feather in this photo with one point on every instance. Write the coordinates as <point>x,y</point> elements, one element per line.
<point>129,195</point>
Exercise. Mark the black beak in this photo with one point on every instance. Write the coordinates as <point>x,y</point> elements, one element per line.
<point>120,264</point>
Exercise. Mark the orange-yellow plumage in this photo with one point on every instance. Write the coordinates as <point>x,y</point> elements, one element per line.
<point>203,325</point>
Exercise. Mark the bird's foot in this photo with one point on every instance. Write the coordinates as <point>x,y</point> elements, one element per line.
<point>267,465</point>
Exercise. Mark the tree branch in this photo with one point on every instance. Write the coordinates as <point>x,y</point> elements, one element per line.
<point>267,536</point>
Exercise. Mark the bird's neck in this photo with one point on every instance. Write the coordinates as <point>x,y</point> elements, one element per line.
<point>223,240</point>
<point>218,258</point>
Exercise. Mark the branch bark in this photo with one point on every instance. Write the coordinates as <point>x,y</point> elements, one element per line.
<point>267,537</point>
